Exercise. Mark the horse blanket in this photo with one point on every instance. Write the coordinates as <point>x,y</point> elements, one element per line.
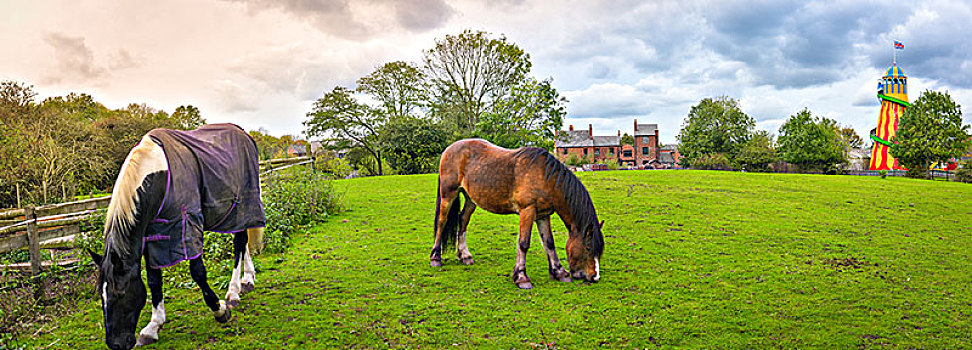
<point>213,185</point>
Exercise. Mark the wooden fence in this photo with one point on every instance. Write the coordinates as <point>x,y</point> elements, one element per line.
<point>50,225</point>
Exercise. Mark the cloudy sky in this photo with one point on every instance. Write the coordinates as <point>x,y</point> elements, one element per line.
<point>262,63</point>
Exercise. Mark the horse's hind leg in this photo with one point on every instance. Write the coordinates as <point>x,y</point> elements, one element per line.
<point>150,334</point>
<point>446,197</point>
<point>462,251</point>
<point>235,286</point>
<point>198,272</point>
<point>554,267</point>
<point>249,273</point>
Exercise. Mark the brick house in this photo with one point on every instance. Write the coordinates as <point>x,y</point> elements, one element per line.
<point>600,149</point>
<point>645,143</point>
<point>668,156</point>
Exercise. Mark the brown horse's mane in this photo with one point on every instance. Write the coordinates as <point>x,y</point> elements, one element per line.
<point>578,199</point>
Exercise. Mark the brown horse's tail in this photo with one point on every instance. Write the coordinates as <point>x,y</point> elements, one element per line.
<point>450,232</point>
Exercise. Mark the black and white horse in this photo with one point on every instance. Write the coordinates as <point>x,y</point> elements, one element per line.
<point>163,199</point>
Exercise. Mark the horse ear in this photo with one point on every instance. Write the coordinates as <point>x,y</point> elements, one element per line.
<point>97,258</point>
<point>600,225</point>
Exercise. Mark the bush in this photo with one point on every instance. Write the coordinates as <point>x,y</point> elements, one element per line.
<point>337,167</point>
<point>964,172</point>
<point>294,202</point>
<point>715,161</point>
<point>572,160</point>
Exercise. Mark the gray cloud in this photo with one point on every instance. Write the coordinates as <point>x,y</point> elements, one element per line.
<point>359,20</point>
<point>75,61</point>
<point>422,15</point>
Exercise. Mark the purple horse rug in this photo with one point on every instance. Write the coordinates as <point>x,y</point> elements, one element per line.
<point>213,185</point>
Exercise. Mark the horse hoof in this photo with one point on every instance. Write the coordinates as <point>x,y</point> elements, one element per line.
<point>525,285</point>
<point>246,288</point>
<point>436,263</point>
<point>226,316</point>
<point>467,261</point>
<point>561,278</point>
<point>145,340</point>
<point>232,303</point>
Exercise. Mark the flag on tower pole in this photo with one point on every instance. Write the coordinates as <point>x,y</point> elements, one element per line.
<point>898,45</point>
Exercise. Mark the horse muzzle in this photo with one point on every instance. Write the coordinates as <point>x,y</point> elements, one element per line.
<point>125,342</point>
<point>581,275</point>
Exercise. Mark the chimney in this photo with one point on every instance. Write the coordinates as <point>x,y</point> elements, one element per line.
<point>571,127</point>
<point>590,130</point>
<point>636,126</point>
<point>619,133</point>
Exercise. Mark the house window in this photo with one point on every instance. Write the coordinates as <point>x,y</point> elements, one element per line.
<point>644,139</point>
<point>611,151</point>
<point>597,151</point>
<point>585,152</point>
<point>627,153</point>
<point>644,150</point>
<point>565,151</point>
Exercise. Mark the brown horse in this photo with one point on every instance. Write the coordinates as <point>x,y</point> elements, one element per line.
<point>526,181</point>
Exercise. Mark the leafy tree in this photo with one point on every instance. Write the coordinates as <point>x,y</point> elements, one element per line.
<point>400,87</point>
<point>848,137</point>
<point>469,72</point>
<point>715,125</point>
<point>340,116</point>
<point>930,131</point>
<point>757,153</point>
<point>529,115</point>
<point>268,147</point>
<point>810,142</point>
<point>187,118</point>
<point>412,145</point>
<point>627,139</point>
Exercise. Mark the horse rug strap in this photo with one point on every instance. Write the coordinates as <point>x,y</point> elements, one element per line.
<point>213,185</point>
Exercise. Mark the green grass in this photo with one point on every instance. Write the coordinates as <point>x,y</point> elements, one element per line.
<point>693,259</point>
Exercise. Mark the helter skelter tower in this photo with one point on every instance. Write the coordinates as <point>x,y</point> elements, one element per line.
<point>893,93</point>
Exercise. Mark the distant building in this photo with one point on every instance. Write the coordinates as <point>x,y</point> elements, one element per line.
<point>645,143</point>
<point>669,157</point>
<point>297,150</point>
<point>603,149</point>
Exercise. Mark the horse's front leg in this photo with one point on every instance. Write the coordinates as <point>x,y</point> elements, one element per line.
<point>150,334</point>
<point>520,278</point>
<point>554,267</point>
<point>198,272</point>
<point>235,286</point>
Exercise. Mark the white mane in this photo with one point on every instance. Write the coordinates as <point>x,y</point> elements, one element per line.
<point>146,158</point>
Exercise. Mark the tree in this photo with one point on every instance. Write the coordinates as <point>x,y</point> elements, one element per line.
<point>187,118</point>
<point>339,115</point>
<point>469,72</point>
<point>810,142</point>
<point>848,137</point>
<point>715,125</point>
<point>929,132</point>
<point>400,87</point>
<point>412,145</point>
<point>529,115</point>
<point>627,139</point>
<point>757,153</point>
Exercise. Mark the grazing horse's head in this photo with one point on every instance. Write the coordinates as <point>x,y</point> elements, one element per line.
<point>122,294</point>
<point>139,189</point>
<point>584,249</point>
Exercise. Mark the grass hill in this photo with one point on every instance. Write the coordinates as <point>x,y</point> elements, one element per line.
<point>693,259</point>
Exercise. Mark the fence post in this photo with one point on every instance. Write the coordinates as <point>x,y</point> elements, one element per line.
<point>33,244</point>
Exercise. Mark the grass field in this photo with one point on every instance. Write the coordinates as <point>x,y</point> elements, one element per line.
<point>693,259</point>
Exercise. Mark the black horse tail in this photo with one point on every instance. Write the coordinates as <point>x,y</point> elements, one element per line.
<point>450,232</point>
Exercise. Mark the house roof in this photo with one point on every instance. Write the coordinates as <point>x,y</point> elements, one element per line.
<point>666,158</point>
<point>600,141</point>
<point>646,129</point>
<point>668,148</point>
<point>575,138</point>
